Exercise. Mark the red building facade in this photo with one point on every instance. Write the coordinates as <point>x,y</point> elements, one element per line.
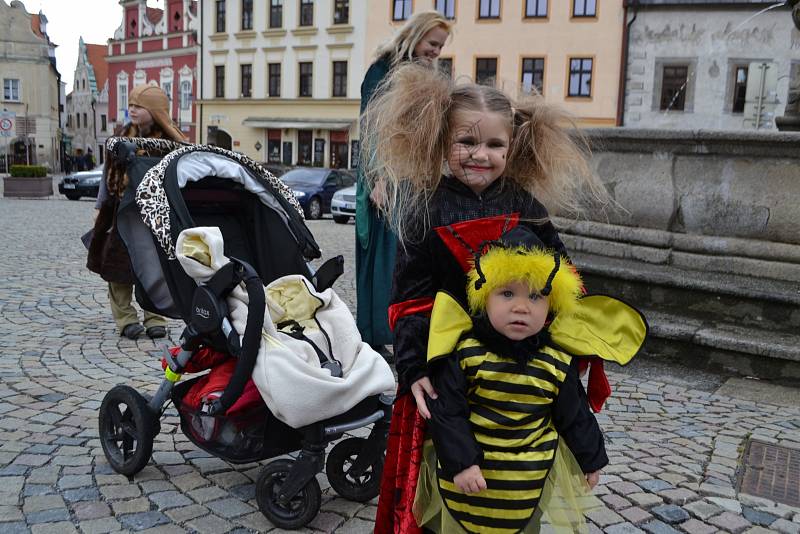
<point>155,46</point>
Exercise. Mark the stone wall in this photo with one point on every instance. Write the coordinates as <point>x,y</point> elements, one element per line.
<point>719,201</point>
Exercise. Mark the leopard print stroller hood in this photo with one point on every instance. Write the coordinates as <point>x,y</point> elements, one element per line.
<point>174,186</point>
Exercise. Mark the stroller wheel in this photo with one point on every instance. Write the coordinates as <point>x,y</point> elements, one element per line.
<point>360,488</point>
<point>299,511</point>
<point>126,430</point>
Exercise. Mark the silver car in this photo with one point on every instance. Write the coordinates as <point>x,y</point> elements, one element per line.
<point>343,204</point>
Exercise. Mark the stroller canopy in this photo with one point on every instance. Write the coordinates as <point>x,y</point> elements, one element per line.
<point>175,186</point>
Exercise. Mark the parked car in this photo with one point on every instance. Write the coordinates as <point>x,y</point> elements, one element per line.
<point>314,188</point>
<point>278,169</point>
<point>81,184</point>
<point>343,205</point>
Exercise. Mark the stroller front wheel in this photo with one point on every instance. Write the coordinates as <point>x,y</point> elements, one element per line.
<point>359,488</point>
<point>126,430</point>
<point>299,511</point>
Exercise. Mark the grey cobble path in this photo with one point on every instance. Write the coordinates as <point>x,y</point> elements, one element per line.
<point>674,447</point>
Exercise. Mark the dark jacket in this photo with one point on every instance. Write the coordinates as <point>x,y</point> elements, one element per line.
<point>431,261</point>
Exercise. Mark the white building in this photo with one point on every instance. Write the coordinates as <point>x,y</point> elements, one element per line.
<point>87,123</point>
<point>31,87</point>
<point>280,80</point>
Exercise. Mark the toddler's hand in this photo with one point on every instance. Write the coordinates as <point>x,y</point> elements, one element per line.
<point>593,478</point>
<point>470,480</point>
<point>419,389</point>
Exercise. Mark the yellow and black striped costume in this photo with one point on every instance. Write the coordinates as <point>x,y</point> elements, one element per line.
<point>510,413</point>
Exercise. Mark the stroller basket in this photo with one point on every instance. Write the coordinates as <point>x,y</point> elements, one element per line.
<point>250,435</point>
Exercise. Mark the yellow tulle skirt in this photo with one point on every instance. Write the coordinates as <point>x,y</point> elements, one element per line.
<point>566,497</point>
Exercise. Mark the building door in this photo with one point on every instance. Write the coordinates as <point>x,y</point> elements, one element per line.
<point>304,147</point>
<point>339,150</point>
<point>287,153</point>
<point>224,140</point>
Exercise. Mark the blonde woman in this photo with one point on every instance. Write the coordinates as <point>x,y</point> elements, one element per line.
<point>420,40</point>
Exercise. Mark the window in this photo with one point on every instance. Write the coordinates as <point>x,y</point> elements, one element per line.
<point>532,74</point>
<point>274,73</point>
<point>341,11</point>
<point>220,16</point>
<point>306,74</point>
<point>276,14</point>
<point>340,78</point>
<point>85,121</point>
<point>485,71</point>
<point>306,13</point>
<point>247,14</point>
<point>489,9</point>
<point>401,9</point>
<point>580,77</point>
<point>673,87</point>
<point>739,89</point>
<point>11,89</point>
<point>535,8</point>
<point>247,80</point>
<point>77,120</point>
<point>584,8</point>
<point>219,81</point>
<point>83,84</point>
<point>122,98</point>
<point>447,8</point>
<point>186,94</point>
<point>103,123</point>
<point>167,88</point>
<point>445,65</point>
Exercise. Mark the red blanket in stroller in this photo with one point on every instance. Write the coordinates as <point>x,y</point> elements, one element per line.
<point>211,386</point>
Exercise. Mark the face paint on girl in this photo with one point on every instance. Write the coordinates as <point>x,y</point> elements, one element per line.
<point>479,148</point>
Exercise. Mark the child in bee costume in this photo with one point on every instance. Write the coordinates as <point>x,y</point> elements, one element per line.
<point>514,443</point>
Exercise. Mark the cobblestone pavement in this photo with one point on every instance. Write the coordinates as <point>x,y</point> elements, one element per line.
<point>674,450</point>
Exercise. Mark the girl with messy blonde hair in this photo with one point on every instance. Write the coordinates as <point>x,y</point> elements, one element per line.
<point>459,165</point>
<point>409,130</point>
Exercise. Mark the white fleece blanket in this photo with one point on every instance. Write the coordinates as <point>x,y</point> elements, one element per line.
<point>288,373</point>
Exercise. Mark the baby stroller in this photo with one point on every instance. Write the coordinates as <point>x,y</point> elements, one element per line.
<point>173,187</point>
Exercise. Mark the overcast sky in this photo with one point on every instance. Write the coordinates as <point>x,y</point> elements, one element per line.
<point>69,20</point>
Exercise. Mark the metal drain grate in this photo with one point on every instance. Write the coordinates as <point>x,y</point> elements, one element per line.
<point>772,472</point>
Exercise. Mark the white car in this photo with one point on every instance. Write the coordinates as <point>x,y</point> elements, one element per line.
<point>343,204</point>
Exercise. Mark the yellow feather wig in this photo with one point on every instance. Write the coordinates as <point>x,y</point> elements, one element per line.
<point>501,266</point>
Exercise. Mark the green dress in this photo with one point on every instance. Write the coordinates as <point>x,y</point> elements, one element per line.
<point>375,243</point>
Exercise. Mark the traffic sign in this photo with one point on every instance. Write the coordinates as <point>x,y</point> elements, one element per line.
<point>7,119</point>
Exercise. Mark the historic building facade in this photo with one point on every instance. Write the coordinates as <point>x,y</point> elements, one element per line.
<point>87,126</point>
<point>31,88</point>
<point>709,64</point>
<point>281,79</point>
<point>567,50</point>
<point>156,46</point>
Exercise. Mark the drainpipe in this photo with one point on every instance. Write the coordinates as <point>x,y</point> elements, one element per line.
<point>202,79</point>
<point>623,71</point>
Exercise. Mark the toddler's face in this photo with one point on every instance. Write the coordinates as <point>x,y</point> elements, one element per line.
<point>479,148</point>
<point>517,312</point>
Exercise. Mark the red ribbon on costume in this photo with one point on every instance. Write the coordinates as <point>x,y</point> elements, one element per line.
<point>401,469</point>
<point>598,389</point>
<point>422,305</point>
